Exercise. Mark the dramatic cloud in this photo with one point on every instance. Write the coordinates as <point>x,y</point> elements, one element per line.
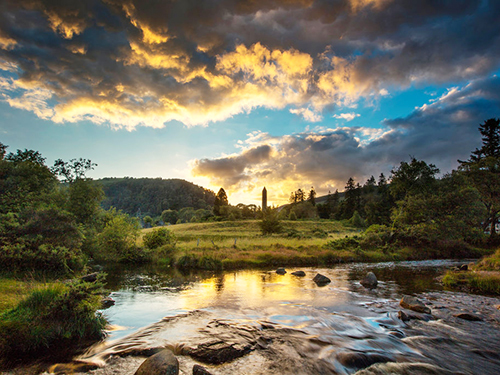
<point>132,63</point>
<point>439,132</point>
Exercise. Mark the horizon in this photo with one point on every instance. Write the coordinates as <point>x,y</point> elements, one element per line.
<point>241,95</point>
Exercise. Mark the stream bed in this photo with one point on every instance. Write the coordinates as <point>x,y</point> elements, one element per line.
<point>284,324</point>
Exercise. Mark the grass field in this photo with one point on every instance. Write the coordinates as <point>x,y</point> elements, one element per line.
<point>240,243</point>
<point>13,291</point>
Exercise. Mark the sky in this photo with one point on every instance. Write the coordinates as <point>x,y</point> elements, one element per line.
<point>244,94</point>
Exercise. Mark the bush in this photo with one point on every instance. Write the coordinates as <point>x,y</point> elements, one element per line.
<point>292,216</point>
<point>54,320</point>
<point>158,237</point>
<point>117,240</point>
<point>357,221</point>
<point>270,224</point>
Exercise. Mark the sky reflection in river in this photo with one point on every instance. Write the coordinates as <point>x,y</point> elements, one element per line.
<point>145,296</point>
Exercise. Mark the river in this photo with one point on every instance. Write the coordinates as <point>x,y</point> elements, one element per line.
<point>284,324</point>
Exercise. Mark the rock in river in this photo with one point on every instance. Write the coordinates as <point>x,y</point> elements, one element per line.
<point>200,370</point>
<point>370,280</point>
<point>321,280</point>
<point>413,303</point>
<point>280,271</point>
<point>219,352</point>
<point>162,363</point>
<point>468,316</point>
<point>299,273</point>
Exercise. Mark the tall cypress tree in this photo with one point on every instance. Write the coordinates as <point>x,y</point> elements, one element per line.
<point>220,200</point>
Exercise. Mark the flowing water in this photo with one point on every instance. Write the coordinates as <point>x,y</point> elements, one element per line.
<point>259,322</point>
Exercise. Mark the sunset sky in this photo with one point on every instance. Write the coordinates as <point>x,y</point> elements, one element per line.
<point>246,94</point>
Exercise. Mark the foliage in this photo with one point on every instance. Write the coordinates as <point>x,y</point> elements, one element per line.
<point>270,223</point>
<point>53,319</point>
<point>356,220</point>
<point>117,241</point>
<point>416,177</point>
<point>158,237</point>
<point>220,201</point>
<point>169,216</point>
<point>152,196</point>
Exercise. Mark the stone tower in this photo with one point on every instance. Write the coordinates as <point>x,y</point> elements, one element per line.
<point>264,199</point>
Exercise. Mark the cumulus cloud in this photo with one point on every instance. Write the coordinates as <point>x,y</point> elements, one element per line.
<point>347,116</point>
<point>438,132</point>
<point>132,63</point>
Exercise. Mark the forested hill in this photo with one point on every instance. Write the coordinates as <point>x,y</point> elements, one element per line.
<point>153,195</point>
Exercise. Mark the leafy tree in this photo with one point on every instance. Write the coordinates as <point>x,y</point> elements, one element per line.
<point>169,216</point>
<point>412,178</point>
<point>74,169</point>
<point>220,201</point>
<point>158,237</point>
<point>483,171</point>
<point>311,198</point>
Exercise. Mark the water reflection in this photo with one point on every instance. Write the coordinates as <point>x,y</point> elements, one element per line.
<point>146,295</point>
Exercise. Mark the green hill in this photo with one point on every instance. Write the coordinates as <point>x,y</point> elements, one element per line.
<point>150,196</point>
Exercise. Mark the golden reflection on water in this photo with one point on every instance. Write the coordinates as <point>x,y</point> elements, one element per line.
<point>257,289</point>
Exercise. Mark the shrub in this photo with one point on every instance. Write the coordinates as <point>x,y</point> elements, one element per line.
<point>270,224</point>
<point>357,221</point>
<point>117,240</point>
<point>292,216</point>
<point>158,237</point>
<point>55,319</point>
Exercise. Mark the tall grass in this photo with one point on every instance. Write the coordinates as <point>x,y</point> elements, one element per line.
<point>53,320</point>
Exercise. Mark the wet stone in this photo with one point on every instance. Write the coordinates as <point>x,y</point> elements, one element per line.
<point>359,360</point>
<point>280,271</point>
<point>162,363</point>
<point>370,280</point>
<point>321,280</point>
<point>200,370</point>
<point>107,302</point>
<point>468,316</point>
<point>413,303</point>
<point>299,273</point>
<point>219,352</point>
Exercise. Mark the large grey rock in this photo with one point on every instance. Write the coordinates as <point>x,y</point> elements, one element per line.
<point>162,363</point>
<point>321,280</point>
<point>299,273</point>
<point>370,280</point>
<point>413,303</point>
<point>280,271</point>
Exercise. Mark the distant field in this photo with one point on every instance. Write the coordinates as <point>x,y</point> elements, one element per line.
<point>240,243</point>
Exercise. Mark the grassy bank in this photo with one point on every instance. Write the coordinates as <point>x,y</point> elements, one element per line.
<point>240,244</point>
<point>482,277</point>
<point>50,320</point>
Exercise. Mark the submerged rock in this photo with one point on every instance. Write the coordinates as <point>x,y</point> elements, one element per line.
<point>280,271</point>
<point>219,352</point>
<point>321,280</point>
<point>468,316</point>
<point>360,360</point>
<point>162,363</point>
<point>370,280</point>
<point>413,303</point>
<point>200,370</point>
<point>299,273</point>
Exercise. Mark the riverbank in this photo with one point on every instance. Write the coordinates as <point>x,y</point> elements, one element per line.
<point>482,277</point>
<point>233,245</point>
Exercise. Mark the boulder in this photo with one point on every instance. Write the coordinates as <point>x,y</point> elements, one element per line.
<point>370,280</point>
<point>280,271</point>
<point>200,370</point>
<point>299,273</point>
<point>219,352</point>
<point>162,363</point>
<point>107,302</point>
<point>413,303</point>
<point>468,316</point>
<point>403,316</point>
<point>321,280</point>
